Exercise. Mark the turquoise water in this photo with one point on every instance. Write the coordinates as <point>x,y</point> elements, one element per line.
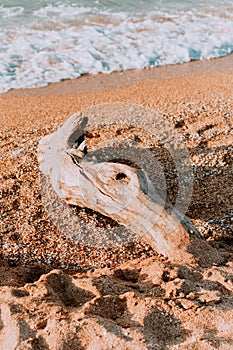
<point>46,41</point>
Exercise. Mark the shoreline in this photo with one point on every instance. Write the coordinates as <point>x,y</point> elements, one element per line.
<point>168,90</point>
<point>102,81</point>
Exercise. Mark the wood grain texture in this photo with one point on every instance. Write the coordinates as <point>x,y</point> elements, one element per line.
<point>120,192</point>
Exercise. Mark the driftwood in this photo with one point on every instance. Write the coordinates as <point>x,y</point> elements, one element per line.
<point>120,192</point>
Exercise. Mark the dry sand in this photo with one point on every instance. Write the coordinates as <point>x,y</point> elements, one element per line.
<point>147,303</point>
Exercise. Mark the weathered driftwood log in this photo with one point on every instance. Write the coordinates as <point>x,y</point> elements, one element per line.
<point>120,192</point>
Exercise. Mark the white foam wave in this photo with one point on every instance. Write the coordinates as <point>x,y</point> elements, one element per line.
<point>61,10</point>
<point>13,11</point>
<point>66,41</point>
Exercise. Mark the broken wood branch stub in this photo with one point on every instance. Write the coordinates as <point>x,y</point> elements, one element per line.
<point>120,192</point>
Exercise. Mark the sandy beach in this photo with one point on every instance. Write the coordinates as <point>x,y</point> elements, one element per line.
<point>195,98</point>
<point>197,101</point>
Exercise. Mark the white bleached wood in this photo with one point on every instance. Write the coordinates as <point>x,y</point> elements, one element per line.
<point>115,190</point>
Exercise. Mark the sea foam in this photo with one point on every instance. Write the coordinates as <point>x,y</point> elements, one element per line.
<point>62,41</point>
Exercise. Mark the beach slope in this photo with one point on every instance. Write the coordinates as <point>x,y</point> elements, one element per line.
<point>57,293</point>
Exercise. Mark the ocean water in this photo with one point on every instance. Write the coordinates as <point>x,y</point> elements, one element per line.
<point>47,41</point>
